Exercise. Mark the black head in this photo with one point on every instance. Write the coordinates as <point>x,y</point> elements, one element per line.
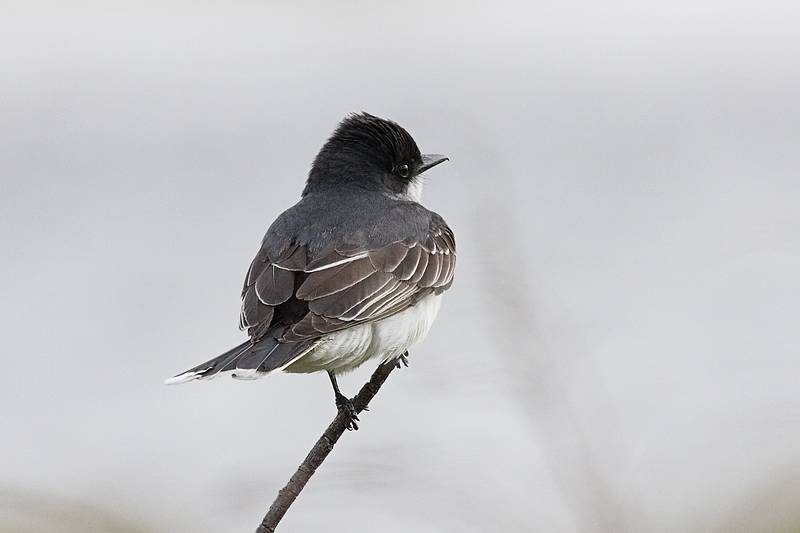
<point>369,152</point>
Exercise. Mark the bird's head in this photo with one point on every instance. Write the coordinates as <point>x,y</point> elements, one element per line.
<point>371,153</point>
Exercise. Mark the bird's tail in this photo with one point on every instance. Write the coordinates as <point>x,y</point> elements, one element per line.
<point>247,361</point>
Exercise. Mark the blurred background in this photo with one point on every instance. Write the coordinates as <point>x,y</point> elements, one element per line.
<point>619,352</point>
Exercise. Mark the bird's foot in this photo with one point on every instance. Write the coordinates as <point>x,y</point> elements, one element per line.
<point>403,358</point>
<point>345,405</point>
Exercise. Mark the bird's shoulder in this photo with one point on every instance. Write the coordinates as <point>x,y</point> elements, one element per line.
<point>348,223</point>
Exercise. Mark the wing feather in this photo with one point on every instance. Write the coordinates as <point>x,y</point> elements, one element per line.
<point>366,305</point>
<point>444,273</point>
<point>393,298</point>
<point>387,259</point>
<point>343,287</point>
<point>406,268</point>
<point>330,281</point>
<point>275,285</point>
<point>297,259</point>
<point>254,312</point>
<point>337,304</point>
<point>432,270</point>
<point>424,258</point>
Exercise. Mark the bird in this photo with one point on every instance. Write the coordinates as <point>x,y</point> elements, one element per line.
<point>354,271</point>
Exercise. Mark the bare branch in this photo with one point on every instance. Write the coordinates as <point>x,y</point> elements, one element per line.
<point>288,494</point>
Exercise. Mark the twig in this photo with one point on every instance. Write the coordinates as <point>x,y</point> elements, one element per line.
<point>288,494</point>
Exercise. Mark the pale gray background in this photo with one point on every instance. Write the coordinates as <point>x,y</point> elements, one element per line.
<point>619,352</point>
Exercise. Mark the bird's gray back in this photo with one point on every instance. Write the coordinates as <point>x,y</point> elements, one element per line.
<point>348,223</point>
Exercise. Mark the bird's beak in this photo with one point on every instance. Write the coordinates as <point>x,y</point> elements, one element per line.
<point>430,161</point>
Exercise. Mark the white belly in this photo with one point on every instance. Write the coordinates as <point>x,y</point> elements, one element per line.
<point>386,339</point>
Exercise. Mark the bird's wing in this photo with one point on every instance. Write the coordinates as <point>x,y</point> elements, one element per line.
<point>346,287</point>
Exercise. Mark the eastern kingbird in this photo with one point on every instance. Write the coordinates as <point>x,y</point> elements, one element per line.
<point>355,270</point>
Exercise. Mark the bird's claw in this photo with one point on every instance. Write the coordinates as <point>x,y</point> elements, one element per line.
<point>345,405</point>
<point>403,358</point>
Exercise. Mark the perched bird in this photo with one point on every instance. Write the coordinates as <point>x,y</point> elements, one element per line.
<point>354,271</point>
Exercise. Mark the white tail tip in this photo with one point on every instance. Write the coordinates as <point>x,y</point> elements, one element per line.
<point>181,378</point>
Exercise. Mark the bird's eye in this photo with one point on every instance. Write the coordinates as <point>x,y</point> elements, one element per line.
<point>402,171</point>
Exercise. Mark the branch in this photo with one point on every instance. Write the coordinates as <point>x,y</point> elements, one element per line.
<point>288,494</point>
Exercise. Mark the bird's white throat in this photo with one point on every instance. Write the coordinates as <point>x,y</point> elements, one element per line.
<point>414,190</point>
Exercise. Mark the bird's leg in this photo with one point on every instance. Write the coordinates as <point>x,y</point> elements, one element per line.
<point>343,403</point>
<point>403,358</point>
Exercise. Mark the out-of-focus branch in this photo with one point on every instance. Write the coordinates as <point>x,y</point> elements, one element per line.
<point>288,494</point>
